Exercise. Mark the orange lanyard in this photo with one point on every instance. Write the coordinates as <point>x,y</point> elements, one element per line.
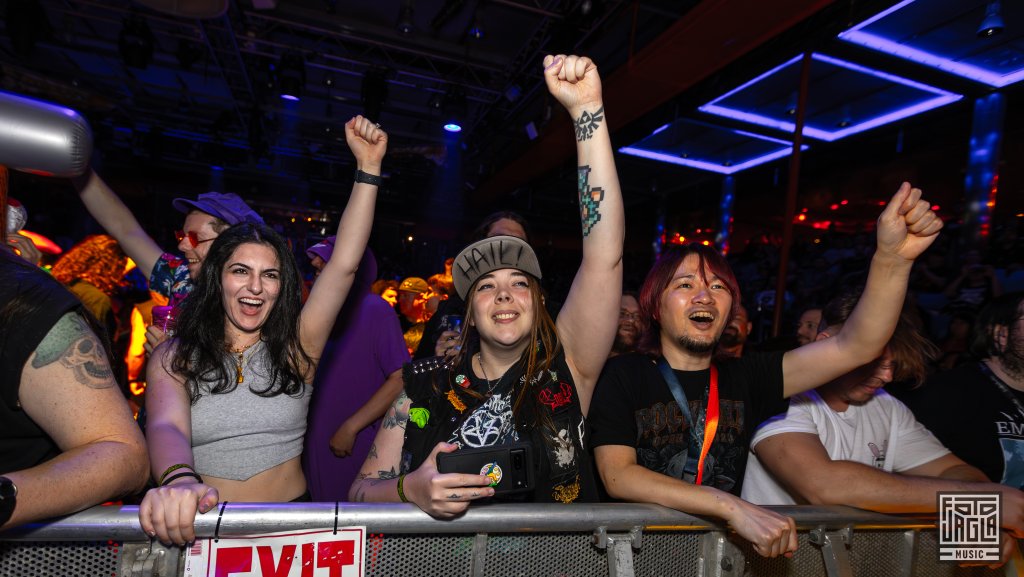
<point>710,422</point>
<point>710,417</point>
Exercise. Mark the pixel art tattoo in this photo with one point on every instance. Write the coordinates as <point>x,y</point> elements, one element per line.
<point>590,198</point>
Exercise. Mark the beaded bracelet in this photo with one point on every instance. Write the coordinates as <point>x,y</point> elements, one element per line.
<point>170,470</point>
<point>181,476</point>
<point>401,489</point>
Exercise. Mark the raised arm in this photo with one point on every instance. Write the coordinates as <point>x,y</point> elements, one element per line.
<point>118,221</point>
<point>906,228</point>
<point>168,512</point>
<point>771,534</point>
<point>589,317</point>
<point>368,143</point>
<point>68,389</point>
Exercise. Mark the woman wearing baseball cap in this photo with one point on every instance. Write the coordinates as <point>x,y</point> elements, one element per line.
<point>520,376</point>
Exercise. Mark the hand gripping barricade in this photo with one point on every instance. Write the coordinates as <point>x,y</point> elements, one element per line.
<point>617,540</point>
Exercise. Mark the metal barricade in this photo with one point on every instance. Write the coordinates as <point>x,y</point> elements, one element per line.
<point>618,540</point>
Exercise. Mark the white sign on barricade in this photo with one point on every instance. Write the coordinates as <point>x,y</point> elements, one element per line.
<point>292,554</point>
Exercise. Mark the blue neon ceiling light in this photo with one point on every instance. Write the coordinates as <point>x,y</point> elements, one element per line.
<point>639,150</point>
<point>951,57</point>
<point>928,98</point>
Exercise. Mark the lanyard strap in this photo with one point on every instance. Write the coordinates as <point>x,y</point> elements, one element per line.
<point>699,440</point>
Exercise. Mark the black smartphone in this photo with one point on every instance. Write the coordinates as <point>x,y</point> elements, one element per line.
<point>510,467</point>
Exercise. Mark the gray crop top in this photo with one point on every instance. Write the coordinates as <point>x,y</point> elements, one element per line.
<point>239,434</point>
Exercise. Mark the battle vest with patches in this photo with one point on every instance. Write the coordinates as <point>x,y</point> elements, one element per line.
<point>441,410</point>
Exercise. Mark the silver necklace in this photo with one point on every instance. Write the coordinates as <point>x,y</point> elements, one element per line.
<point>483,369</point>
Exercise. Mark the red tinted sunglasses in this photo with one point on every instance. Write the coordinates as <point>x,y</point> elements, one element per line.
<point>193,238</point>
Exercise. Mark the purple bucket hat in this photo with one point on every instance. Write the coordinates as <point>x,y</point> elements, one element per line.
<point>228,207</point>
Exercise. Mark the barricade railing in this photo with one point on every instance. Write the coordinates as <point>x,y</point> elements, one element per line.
<point>618,540</point>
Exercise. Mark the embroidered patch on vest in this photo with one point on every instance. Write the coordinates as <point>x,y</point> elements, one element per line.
<point>567,492</point>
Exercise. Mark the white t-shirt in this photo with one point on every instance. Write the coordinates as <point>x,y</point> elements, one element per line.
<point>882,433</point>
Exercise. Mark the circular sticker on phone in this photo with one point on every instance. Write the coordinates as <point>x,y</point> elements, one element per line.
<point>492,470</point>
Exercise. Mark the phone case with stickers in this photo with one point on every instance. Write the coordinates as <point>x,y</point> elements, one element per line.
<point>509,466</point>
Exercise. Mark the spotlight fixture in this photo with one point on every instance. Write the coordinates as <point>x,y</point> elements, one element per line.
<point>453,109</point>
<point>135,42</point>
<point>405,18</point>
<point>992,24</point>
<point>476,29</point>
<point>291,76</point>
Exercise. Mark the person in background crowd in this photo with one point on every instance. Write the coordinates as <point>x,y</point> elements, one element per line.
<point>975,286</point>
<point>67,437</point>
<point>387,290</point>
<point>628,332</point>
<point>730,345</point>
<point>356,381</point>
<point>228,397</point>
<point>807,326</point>
<point>977,408</point>
<point>413,293</point>
<point>92,270</point>
<point>849,442</point>
<point>648,413</point>
<point>518,376</point>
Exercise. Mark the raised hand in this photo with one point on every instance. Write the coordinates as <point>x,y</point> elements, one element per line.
<point>23,247</point>
<point>908,225</point>
<point>574,82</point>
<point>368,143</point>
<point>444,495</point>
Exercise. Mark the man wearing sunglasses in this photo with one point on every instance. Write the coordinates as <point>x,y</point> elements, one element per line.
<point>170,275</point>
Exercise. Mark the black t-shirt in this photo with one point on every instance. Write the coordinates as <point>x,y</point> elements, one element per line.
<point>974,419</point>
<point>633,406</point>
<point>31,302</point>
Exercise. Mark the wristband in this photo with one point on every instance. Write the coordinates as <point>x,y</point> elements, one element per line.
<point>401,489</point>
<point>182,475</point>
<point>170,470</point>
<point>368,178</point>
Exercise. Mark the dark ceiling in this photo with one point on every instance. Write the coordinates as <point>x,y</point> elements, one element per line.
<point>207,94</point>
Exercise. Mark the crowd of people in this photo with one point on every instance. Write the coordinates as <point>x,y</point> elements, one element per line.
<point>671,394</point>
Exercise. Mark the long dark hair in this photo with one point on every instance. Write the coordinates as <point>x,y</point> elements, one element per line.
<point>1002,311</point>
<point>910,349</point>
<point>200,343</point>
<point>538,357</point>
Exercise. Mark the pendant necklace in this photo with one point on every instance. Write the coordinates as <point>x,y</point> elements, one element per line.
<point>483,369</point>
<point>241,357</point>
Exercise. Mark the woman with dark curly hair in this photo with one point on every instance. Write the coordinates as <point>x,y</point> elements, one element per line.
<point>92,269</point>
<point>227,397</point>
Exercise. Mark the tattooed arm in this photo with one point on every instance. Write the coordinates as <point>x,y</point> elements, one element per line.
<point>440,495</point>
<point>68,389</point>
<point>587,322</point>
